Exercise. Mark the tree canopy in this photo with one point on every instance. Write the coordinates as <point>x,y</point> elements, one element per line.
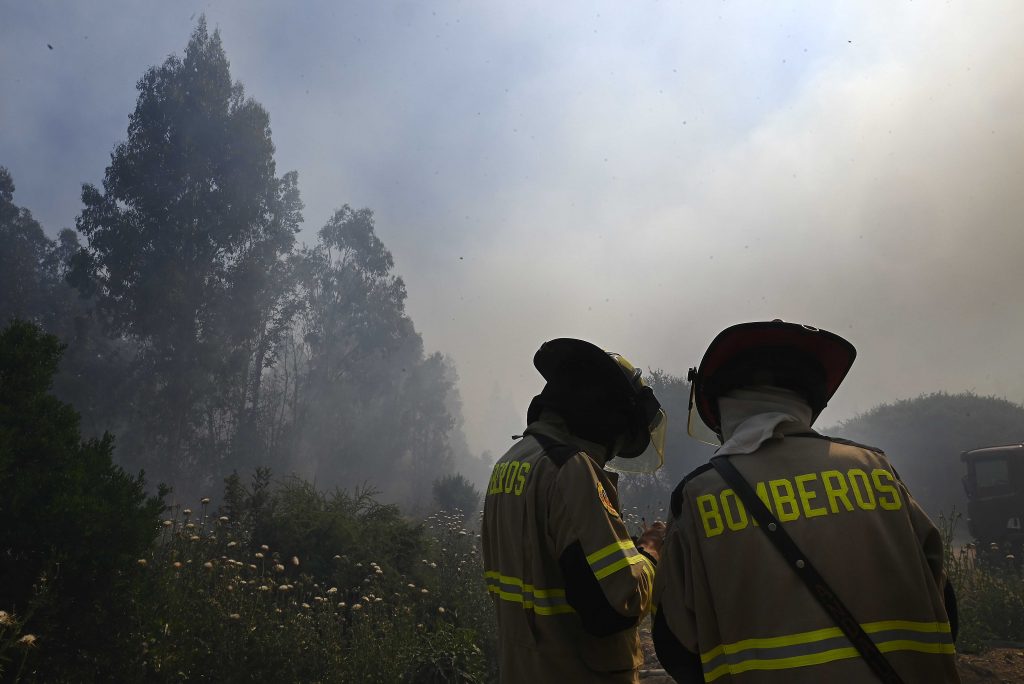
<point>203,334</point>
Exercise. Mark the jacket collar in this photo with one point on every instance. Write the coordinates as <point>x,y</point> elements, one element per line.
<point>551,425</point>
<point>751,416</point>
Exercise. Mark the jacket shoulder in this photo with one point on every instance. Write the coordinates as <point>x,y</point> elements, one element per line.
<point>556,451</point>
<point>839,440</point>
<point>676,503</point>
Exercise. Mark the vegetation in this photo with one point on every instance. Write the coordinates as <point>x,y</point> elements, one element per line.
<point>200,331</point>
<point>990,591</point>
<point>379,599</point>
<point>456,493</point>
<point>283,582</point>
<point>924,437</point>
<point>72,519</point>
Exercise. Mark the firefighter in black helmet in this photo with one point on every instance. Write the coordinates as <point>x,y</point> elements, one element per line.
<point>793,556</point>
<point>569,584</point>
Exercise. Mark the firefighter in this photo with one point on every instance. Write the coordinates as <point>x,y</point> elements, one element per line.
<point>569,584</point>
<point>793,556</point>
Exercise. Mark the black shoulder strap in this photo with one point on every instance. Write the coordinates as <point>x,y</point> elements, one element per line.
<point>676,502</point>
<point>553,449</point>
<point>806,571</point>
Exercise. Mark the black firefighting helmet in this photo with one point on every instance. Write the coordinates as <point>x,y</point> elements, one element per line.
<point>807,360</point>
<point>603,399</point>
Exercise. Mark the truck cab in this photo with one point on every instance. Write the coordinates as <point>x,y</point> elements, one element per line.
<point>995,495</point>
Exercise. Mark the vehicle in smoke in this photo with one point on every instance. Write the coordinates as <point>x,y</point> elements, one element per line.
<point>995,496</point>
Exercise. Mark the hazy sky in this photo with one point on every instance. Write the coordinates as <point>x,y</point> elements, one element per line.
<point>640,174</point>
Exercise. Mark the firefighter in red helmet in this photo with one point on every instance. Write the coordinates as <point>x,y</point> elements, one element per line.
<point>569,584</point>
<point>793,556</point>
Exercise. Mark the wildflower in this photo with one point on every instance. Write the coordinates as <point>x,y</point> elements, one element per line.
<point>359,565</point>
<point>377,599</point>
<point>28,641</point>
<point>205,500</point>
<point>187,512</point>
<point>411,585</point>
<point>223,518</point>
<point>278,567</point>
<point>208,565</point>
<point>278,611</point>
<point>337,557</point>
<point>1009,556</point>
<point>141,562</point>
<point>264,587</point>
<point>341,605</point>
<point>190,526</point>
<point>177,565</point>
<point>6,618</point>
<point>419,626</point>
<point>379,571</point>
<point>232,544</point>
<point>283,587</point>
<point>332,590</point>
<point>440,609</point>
<point>194,537</point>
<point>264,547</point>
<point>168,523</point>
<point>259,555</point>
<point>357,606</point>
<point>231,587</point>
<point>993,547</point>
<point>424,591</point>
<point>295,561</point>
<point>306,606</point>
<point>251,566</point>
<point>235,616</point>
<point>433,565</point>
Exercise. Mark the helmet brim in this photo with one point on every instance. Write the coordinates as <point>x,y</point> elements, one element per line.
<point>834,354</point>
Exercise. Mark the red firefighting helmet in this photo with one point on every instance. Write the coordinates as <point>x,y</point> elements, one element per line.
<point>800,357</point>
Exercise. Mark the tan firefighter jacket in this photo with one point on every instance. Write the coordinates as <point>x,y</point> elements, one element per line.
<point>567,581</point>
<point>729,609</point>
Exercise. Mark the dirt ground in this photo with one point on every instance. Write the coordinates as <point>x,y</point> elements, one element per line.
<point>1003,665</point>
<point>995,666</point>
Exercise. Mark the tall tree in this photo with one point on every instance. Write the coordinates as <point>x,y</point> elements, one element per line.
<point>187,247</point>
<point>28,260</point>
<point>369,401</point>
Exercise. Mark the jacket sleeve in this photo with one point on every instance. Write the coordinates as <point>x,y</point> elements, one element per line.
<point>674,626</point>
<point>608,582</point>
<point>930,539</point>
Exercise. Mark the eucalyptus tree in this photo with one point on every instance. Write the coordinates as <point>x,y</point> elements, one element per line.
<point>187,246</point>
<point>371,406</point>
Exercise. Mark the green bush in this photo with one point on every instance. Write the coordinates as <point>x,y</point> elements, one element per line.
<point>73,522</point>
<point>326,588</point>
<point>456,493</point>
<point>989,589</point>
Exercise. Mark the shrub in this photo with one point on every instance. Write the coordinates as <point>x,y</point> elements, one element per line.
<point>456,493</point>
<point>72,520</point>
<point>989,589</point>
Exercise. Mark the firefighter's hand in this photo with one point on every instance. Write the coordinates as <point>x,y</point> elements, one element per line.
<point>651,539</point>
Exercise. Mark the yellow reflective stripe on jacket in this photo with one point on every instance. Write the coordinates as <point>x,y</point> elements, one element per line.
<point>616,556</point>
<point>823,646</point>
<point>513,589</point>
